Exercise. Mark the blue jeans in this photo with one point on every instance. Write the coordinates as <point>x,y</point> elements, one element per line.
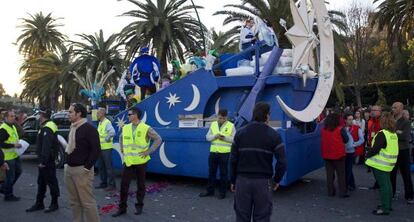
<point>106,171</point>
<point>14,172</point>
<point>349,162</point>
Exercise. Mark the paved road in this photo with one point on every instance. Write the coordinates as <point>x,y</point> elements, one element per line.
<point>305,200</point>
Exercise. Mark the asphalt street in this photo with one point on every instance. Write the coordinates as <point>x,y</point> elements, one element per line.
<point>176,199</point>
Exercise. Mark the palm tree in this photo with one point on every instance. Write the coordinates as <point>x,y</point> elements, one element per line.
<point>39,35</point>
<point>47,78</point>
<point>225,41</point>
<point>97,53</point>
<point>167,26</point>
<point>396,16</point>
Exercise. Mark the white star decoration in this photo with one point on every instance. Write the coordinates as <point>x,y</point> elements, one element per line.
<point>120,122</point>
<point>172,100</point>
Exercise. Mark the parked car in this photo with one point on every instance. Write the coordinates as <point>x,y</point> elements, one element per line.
<point>31,127</point>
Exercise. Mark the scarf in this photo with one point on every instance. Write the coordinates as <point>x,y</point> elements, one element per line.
<point>72,135</point>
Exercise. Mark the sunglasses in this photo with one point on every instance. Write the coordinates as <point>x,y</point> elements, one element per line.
<point>130,114</point>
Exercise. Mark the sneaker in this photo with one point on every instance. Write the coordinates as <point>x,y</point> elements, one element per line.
<point>206,194</point>
<point>36,207</point>
<point>11,198</point>
<point>410,201</point>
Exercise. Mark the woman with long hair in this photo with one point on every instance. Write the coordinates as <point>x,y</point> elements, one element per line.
<point>333,139</point>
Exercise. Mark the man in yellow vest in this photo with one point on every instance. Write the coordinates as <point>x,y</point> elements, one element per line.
<point>381,157</point>
<point>220,134</point>
<point>106,134</point>
<point>47,145</point>
<point>9,141</point>
<point>135,146</point>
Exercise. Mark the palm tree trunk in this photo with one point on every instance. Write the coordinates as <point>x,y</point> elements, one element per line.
<point>163,62</point>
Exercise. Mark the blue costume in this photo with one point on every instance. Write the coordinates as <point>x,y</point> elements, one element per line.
<point>145,71</point>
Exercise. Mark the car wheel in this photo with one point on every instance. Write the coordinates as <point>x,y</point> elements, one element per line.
<point>60,157</point>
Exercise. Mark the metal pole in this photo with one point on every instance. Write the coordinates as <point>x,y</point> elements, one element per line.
<point>201,26</point>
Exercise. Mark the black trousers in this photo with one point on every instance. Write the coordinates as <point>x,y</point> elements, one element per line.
<point>331,167</point>
<point>403,164</point>
<point>138,171</point>
<point>218,161</point>
<point>47,178</point>
<point>253,199</point>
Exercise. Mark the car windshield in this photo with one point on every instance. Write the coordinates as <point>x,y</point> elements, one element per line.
<point>62,123</point>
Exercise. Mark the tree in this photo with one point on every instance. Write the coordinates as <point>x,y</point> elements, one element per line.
<point>2,91</point>
<point>98,54</point>
<point>358,39</point>
<point>396,17</point>
<point>39,35</point>
<point>50,78</point>
<point>167,27</point>
<point>224,41</point>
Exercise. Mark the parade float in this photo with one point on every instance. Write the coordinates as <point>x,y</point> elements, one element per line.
<point>296,82</point>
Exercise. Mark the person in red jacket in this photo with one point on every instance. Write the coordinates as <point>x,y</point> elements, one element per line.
<point>333,139</point>
<point>374,125</point>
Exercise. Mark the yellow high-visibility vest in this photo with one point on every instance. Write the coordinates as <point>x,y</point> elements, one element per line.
<point>218,145</point>
<point>387,157</point>
<point>103,134</point>
<point>52,126</point>
<point>10,153</point>
<point>135,143</point>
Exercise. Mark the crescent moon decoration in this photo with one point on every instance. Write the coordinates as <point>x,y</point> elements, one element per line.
<point>158,117</point>
<point>164,160</point>
<point>217,106</point>
<point>144,117</point>
<point>326,63</point>
<point>196,99</point>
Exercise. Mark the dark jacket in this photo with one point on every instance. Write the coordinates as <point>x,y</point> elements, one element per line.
<point>403,130</point>
<point>47,144</point>
<point>380,143</point>
<point>1,157</point>
<point>87,148</point>
<point>252,153</point>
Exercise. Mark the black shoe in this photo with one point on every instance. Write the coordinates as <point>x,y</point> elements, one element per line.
<point>206,194</point>
<point>101,186</point>
<point>36,207</point>
<point>51,208</point>
<point>11,198</point>
<point>351,188</point>
<point>221,196</point>
<point>138,211</point>
<point>119,213</point>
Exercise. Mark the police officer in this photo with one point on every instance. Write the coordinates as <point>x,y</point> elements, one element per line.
<point>381,157</point>
<point>221,135</point>
<point>47,147</point>
<point>106,133</point>
<point>135,145</point>
<point>9,141</point>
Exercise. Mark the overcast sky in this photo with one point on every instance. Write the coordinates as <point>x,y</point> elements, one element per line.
<point>86,16</point>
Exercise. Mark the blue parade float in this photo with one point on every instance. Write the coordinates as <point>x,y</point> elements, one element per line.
<point>181,112</point>
<point>184,151</point>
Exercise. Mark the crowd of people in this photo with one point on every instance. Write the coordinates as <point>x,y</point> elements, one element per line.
<point>381,140</point>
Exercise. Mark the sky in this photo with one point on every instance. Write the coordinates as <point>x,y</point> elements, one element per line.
<point>87,16</point>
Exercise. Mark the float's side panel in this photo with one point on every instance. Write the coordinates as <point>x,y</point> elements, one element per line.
<point>303,153</point>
